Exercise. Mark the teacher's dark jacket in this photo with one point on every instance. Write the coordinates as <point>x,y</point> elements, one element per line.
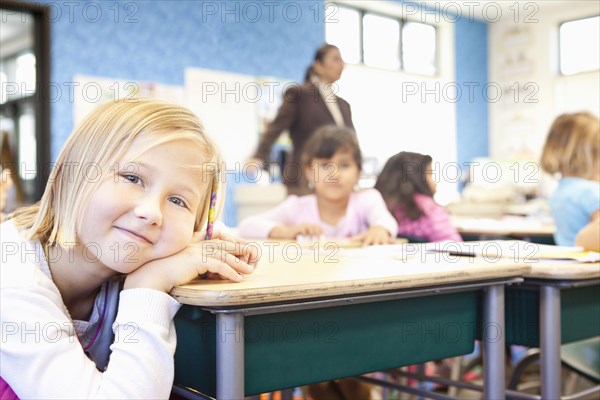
<point>303,111</point>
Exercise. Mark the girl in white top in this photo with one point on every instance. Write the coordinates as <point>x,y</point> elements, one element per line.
<point>86,272</point>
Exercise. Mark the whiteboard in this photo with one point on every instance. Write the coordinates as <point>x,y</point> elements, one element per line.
<point>227,105</point>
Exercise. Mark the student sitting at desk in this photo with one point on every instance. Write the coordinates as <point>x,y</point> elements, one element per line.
<point>408,188</point>
<point>332,161</point>
<point>572,149</point>
<point>85,273</point>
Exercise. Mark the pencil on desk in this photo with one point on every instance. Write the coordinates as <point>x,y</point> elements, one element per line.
<point>212,205</point>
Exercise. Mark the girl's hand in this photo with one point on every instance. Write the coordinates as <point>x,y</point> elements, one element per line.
<point>223,256</point>
<point>291,232</point>
<point>374,235</point>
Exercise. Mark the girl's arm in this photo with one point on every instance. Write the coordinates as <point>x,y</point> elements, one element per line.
<point>382,227</point>
<point>41,356</point>
<point>286,115</point>
<point>292,232</point>
<point>589,236</point>
<point>378,213</point>
<point>260,226</point>
<point>223,255</point>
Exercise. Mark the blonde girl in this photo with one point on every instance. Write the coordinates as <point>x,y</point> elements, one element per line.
<point>572,152</point>
<point>85,274</point>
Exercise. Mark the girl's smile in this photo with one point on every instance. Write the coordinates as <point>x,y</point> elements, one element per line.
<point>145,211</point>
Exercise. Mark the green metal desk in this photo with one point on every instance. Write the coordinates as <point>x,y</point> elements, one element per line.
<point>295,323</point>
<point>558,303</point>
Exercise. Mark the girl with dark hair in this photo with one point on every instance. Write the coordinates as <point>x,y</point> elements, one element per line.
<point>305,108</point>
<point>332,163</point>
<point>407,185</point>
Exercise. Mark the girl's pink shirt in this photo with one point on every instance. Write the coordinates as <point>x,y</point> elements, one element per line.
<point>434,225</point>
<point>6,392</point>
<point>365,209</point>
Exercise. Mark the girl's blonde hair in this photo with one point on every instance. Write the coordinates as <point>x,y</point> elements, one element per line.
<point>572,147</point>
<point>98,144</point>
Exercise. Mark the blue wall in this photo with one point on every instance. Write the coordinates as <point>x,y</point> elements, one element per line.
<point>471,55</point>
<point>157,40</point>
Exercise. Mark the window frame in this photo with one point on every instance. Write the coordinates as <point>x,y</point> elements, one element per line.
<point>40,100</point>
<point>560,24</point>
<point>401,21</point>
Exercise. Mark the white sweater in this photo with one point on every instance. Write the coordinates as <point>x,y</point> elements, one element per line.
<point>41,353</point>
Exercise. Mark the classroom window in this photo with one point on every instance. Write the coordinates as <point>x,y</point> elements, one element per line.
<point>579,46</point>
<point>344,31</point>
<point>418,48</point>
<point>383,41</point>
<point>18,76</point>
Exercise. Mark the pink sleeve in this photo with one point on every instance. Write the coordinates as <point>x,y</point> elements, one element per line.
<point>259,226</point>
<point>441,227</point>
<point>378,213</point>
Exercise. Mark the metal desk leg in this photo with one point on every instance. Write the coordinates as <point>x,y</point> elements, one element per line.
<point>493,343</point>
<point>550,342</point>
<point>230,356</point>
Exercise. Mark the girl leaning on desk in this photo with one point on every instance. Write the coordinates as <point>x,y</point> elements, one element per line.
<point>305,108</point>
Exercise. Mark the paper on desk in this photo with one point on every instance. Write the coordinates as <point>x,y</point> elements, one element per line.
<point>516,249</point>
<point>386,250</point>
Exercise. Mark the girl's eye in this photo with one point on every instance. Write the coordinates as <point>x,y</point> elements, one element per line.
<point>178,202</point>
<point>132,178</point>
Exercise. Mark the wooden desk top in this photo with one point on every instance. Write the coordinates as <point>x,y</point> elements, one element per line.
<point>563,270</point>
<point>345,273</point>
<point>505,226</point>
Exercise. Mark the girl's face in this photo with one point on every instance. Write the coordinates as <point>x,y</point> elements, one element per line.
<point>330,69</point>
<point>429,179</point>
<point>146,208</point>
<point>334,177</point>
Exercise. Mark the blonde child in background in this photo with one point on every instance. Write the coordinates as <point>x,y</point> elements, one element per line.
<point>572,151</point>
<point>407,186</point>
<point>5,184</point>
<point>332,163</point>
<point>589,236</point>
<point>91,264</point>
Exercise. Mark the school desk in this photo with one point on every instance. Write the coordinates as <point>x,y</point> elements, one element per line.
<point>317,316</point>
<point>512,226</point>
<point>558,303</point>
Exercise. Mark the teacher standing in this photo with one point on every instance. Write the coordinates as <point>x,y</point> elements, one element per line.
<point>306,108</point>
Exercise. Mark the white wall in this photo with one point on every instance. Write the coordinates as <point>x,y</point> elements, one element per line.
<point>525,55</point>
<point>389,116</point>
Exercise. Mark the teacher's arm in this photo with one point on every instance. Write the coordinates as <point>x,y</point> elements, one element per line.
<point>286,116</point>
